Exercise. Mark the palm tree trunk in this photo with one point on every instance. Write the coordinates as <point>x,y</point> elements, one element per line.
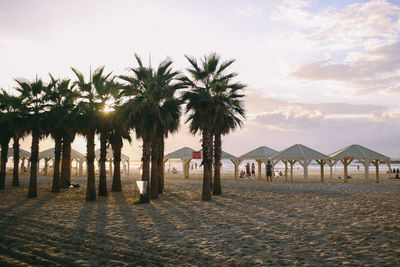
<point>217,168</point>
<point>15,179</point>
<point>91,181</point>
<point>66,160</point>
<point>117,146</point>
<point>160,165</point>
<point>4,158</point>
<point>145,198</point>
<point>103,158</point>
<point>154,167</point>
<point>32,192</point>
<point>207,163</point>
<point>55,187</point>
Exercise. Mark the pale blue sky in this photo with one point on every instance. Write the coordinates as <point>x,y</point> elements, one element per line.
<point>297,58</point>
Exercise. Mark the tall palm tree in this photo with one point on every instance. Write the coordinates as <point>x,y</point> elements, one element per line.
<point>61,116</point>
<point>32,94</point>
<point>13,114</point>
<point>5,135</point>
<point>119,131</point>
<point>153,102</point>
<point>106,92</point>
<point>88,108</point>
<point>203,78</point>
<point>229,111</point>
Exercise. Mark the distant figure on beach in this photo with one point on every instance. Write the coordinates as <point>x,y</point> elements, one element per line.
<point>195,165</point>
<point>358,167</point>
<point>242,174</point>
<point>268,169</point>
<point>174,170</point>
<point>253,170</point>
<point>280,173</point>
<point>248,169</point>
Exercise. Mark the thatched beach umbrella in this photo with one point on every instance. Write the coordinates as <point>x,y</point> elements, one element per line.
<point>364,155</point>
<point>260,154</point>
<point>303,155</point>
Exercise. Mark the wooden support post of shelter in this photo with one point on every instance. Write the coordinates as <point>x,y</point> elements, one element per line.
<point>286,170</point>
<point>236,162</point>
<point>321,163</point>
<point>291,162</point>
<point>46,162</point>
<point>376,163</point>
<point>366,164</point>
<point>346,162</point>
<point>259,161</point>
<point>110,161</point>
<point>304,164</point>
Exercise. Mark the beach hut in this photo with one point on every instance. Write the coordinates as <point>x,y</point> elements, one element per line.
<point>185,154</point>
<point>48,155</point>
<point>303,155</point>
<point>260,154</point>
<point>364,155</point>
<point>110,160</point>
<point>23,155</point>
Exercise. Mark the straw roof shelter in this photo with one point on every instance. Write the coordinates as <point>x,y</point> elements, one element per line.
<point>110,159</point>
<point>48,155</point>
<point>22,153</point>
<point>303,155</point>
<point>260,154</point>
<point>185,154</point>
<point>364,155</point>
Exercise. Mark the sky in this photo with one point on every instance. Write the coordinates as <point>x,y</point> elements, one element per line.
<point>325,74</point>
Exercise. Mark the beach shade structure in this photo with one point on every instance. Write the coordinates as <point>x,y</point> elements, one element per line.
<point>23,155</point>
<point>364,155</point>
<point>48,155</point>
<point>185,154</point>
<point>226,156</point>
<point>110,160</point>
<point>303,155</point>
<point>260,154</point>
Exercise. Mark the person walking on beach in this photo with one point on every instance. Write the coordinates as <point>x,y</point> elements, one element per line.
<point>248,169</point>
<point>268,168</point>
<point>253,170</point>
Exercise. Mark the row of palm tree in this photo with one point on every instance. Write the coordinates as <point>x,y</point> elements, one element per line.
<point>148,101</point>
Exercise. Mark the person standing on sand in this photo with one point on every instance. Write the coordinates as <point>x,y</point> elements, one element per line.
<point>253,170</point>
<point>268,168</point>
<point>248,169</point>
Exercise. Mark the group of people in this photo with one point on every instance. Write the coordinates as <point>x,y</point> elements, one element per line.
<point>251,171</point>
<point>397,172</point>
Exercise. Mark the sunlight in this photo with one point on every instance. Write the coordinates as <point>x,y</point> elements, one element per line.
<point>109,106</point>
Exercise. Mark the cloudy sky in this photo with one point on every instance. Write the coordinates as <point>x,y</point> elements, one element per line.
<point>322,73</point>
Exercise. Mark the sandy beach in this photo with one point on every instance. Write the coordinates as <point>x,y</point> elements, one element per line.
<point>252,223</point>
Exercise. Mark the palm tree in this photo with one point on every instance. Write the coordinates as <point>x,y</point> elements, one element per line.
<point>11,105</point>
<point>204,77</point>
<point>5,135</point>
<point>60,117</point>
<point>106,91</point>
<point>88,108</point>
<point>229,111</point>
<point>153,94</point>
<point>118,132</point>
<point>32,98</point>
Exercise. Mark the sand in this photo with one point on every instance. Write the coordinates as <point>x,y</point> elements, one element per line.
<point>252,223</point>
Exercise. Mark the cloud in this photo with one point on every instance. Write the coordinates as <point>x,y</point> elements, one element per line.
<point>248,11</point>
<point>369,71</point>
<point>361,24</point>
<point>326,127</point>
